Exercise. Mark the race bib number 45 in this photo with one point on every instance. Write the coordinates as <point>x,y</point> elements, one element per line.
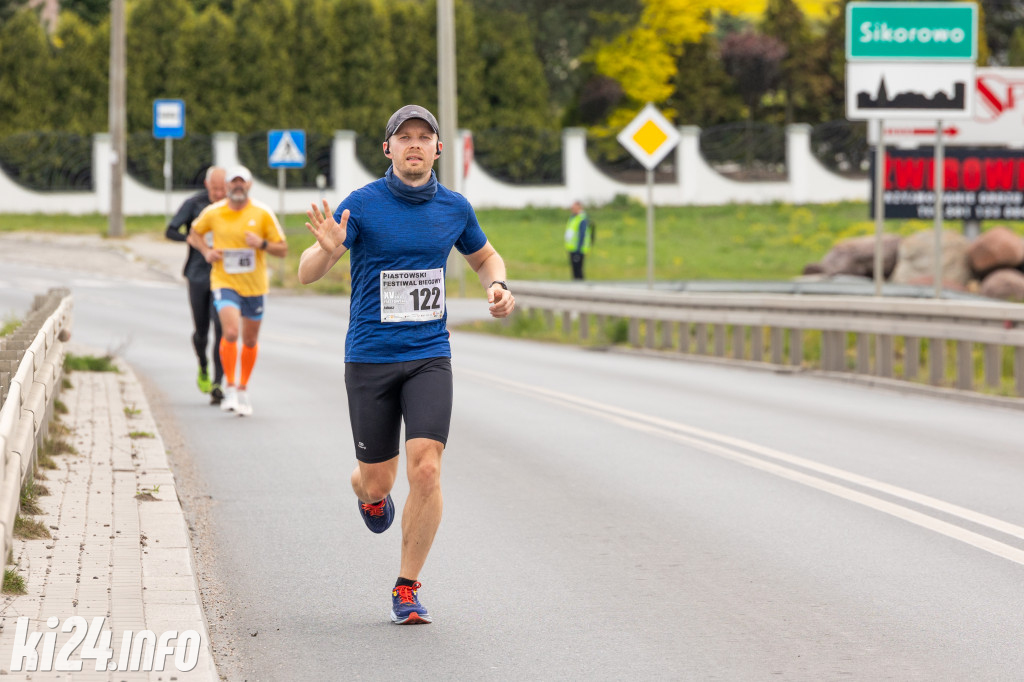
<point>411,295</point>
<point>237,261</point>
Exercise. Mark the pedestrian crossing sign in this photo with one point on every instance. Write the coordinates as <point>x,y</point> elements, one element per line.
<point>649,137</point>
<point>286,148</point>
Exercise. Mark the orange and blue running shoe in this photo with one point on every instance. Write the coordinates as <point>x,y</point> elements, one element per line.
<point>378,517</point>
<point>406,608</point>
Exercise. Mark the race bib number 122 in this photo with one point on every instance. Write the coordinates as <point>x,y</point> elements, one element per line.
<point>411,295</point>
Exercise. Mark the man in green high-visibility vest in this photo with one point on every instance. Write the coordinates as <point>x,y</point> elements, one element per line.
<point>579,237</point>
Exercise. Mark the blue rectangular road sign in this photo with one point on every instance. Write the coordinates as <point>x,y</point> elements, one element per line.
<point>169,118</point>
<point>286,148</point>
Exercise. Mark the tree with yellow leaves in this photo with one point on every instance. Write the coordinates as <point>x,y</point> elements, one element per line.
<point>644,59</point>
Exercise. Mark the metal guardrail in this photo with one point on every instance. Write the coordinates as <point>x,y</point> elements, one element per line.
<point>31,370</point>
<point>892,338</point>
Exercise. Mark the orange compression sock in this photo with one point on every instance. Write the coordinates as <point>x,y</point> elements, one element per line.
<point>228,358</point>
<point>248,360</point>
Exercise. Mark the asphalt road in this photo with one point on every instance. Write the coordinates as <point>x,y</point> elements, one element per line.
<point>607,516</point>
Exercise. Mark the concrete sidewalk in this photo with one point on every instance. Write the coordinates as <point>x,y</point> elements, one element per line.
<point>119,547</point>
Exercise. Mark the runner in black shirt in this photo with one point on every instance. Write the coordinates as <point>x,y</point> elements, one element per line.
<point>197,272</point>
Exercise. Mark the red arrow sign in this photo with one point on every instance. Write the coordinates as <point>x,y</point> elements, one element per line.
<point>952,131</point>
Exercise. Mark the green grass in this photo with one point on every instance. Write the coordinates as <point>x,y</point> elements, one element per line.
<point>30,529</point>
<point>93,223</point>
<point>738,241</point>
<point>9,325</point>
<point>735,242</point>
<point>135,435</point>
<point>13,583</point>
<point>89,363</point>
<point>29,503</point>
<point>57,445</point>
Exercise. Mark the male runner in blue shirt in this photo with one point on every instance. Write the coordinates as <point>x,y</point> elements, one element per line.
<point>400,230</point>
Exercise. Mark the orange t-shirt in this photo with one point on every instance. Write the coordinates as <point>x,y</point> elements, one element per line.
<point>243,268</point>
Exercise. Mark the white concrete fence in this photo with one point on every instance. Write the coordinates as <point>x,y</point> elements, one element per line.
<point>697,183</point>
<point>31,371</point>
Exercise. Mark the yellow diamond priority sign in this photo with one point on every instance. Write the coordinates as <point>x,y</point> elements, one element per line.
<point>649,137</point>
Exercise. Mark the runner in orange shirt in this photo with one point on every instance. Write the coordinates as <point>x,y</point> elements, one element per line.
<point>244,231</point>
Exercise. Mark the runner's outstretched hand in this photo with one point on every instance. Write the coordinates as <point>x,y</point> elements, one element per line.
<point>329,234</point>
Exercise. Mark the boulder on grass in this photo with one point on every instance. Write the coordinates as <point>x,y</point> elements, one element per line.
<point>1004,283</point>
<point>996,248</point>
<point>857,256</point>
<point>916,264</point>
<point>813,269</point>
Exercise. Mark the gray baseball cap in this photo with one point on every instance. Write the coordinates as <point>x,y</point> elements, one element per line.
<point>404,114</point>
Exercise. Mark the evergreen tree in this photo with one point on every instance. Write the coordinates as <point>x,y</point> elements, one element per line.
<point>81,75</point>
<point>415,80</point>
<point>831,64</point>
<point>206,41</point>
<point>1000,19</point>
<point>474,110</point>
<point>8,9</point>
<point>225,6</point>
<point>520,137</point>
<point>92,11</point>
<point>563,32</point>
<point>156,64</point>
<point>258,73</point>
<point>703,92</point>
<point>984,53</point>
<point>515,89</point>
<point>371,56</point>
<point>1015,51</point>
<point>784,21</point>
<point>312,54</point>
<point>26,100</point>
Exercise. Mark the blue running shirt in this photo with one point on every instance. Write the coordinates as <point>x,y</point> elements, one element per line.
<point>388,234</point>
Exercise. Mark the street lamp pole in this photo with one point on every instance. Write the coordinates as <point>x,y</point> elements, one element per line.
<point>448,113</point>
<point>117,119</point>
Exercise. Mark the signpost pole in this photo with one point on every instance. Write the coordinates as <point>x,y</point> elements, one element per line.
<point>168,165</point>
<point>280,212</point>
<point>285,149</point>
<point>650,228</point>
<point>879,205</point>
<point>940,173</point>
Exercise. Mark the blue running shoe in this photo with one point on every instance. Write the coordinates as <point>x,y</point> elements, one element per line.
<point>378,517</point>
<point>406,608</point>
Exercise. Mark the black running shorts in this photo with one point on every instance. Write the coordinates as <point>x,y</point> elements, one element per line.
<point>380,395</point>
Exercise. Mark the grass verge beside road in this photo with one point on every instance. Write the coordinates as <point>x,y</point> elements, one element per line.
<point>735,242</point>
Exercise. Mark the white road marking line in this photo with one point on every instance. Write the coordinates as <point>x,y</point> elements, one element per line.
<point>716,443</point>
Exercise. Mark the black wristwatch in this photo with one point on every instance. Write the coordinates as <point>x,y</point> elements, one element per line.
<point>264,247</point>
<point>501,282</point>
